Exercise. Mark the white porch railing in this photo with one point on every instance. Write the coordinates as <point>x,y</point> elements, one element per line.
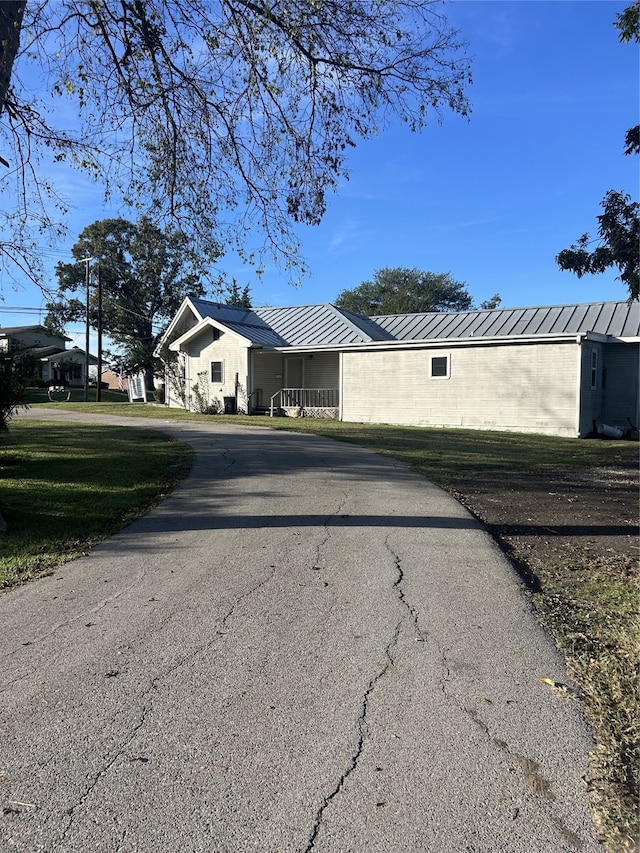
<point>304,398</point>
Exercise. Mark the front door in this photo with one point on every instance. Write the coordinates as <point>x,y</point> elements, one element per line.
<point>293,379</point>
<point>294,373</point>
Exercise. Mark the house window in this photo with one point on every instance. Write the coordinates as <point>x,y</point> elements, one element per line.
<point>217,372</point>
<point>440,366</point>
<point>594,369</point>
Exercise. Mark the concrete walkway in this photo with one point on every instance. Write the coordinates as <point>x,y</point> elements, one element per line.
<point>305,647</point>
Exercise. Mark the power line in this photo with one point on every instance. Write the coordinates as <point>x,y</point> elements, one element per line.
<point>22,310</point>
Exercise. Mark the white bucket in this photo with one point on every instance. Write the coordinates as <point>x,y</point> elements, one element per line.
<point>610,431</point>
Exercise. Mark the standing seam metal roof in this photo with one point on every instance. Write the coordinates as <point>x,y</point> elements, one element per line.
<point>617,319</point>
<point>327,325</point>
<point>308,325</point>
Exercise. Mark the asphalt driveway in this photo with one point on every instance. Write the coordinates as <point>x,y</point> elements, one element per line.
<point>305,647</point>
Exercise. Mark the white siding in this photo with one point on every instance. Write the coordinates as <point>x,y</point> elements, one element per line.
<point>267,375</point>
<point>37,338</point>
<point>321,370</point>
<point>516,387</point>
<point>229,349</point>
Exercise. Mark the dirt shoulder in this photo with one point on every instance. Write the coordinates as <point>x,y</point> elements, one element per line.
<point>576,518</point>
<point>573,535</point>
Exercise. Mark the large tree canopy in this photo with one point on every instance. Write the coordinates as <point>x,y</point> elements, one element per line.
<point>194,108</point>
<point>144,273</point>
<point>406,291</point>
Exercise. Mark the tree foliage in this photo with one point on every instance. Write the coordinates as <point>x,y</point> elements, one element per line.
<point>619,232</point>
<point>145,273</point>
<point>491,304</point>
<point>628,22</point>
<point>406,291</point>
<point>235,296</point>
<point>16,370</point>
<point>619,224</point>
<point>192,109</point>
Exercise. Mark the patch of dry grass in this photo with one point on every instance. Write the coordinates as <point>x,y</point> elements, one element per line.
<point>594,613</point>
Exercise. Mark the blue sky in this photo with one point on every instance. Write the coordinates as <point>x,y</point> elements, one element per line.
<point>490,200</point>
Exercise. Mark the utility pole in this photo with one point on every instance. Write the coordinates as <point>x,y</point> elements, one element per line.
<point>99,329</point>
<point>86,337</point>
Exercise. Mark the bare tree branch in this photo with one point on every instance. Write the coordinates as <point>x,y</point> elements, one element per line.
<point>220,117</point>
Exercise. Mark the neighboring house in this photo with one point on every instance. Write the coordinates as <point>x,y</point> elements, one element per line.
<point>114,381</point>
<point>553,370</point>
<point>53,363</point>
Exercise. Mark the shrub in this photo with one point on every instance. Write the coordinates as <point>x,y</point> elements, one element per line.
<point>16,374</point>
<point>202,402</point>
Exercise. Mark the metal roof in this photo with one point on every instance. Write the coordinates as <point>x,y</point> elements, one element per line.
<point>327,325</point>
<point>8,330</point>
<point>304,325</point>
<point>243,321</point>
<point>617,319</point>
<point>43,352</point>
<point>309,325</point>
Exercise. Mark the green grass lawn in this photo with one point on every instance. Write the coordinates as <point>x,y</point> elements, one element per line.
<point>76,395</point>
<point>64,487</point>
<point>442,455</point>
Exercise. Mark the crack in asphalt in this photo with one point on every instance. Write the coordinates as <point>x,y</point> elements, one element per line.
<point>80,617</point>
<point>411,615</point>
<point>71,812</point>
<point>83,615</point>
<point>420,634</point>
<point>153,686</point>
<point>531,770</point>
<point>533,778</point>
<point>361,728</point>
<point>339,513</point>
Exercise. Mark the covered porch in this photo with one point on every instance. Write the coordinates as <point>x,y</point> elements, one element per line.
<point>66,367</point>
<point>296,385</point>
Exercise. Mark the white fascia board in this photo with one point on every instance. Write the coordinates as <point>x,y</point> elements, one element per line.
<point>432,343</point>
<point>187,305</point>
<point>208,322</point>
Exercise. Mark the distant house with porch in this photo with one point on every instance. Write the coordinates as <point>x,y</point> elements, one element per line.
<point>554,370</point>
<point>53,363</point>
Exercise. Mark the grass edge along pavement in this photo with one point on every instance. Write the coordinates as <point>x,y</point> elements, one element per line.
<point>601,658</point>
<point>50,476</point>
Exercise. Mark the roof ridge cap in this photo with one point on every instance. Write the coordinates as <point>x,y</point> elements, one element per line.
<point>340,312</point>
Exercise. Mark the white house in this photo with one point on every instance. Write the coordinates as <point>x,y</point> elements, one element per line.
<point>554,370</point>
<point>53,363</point>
